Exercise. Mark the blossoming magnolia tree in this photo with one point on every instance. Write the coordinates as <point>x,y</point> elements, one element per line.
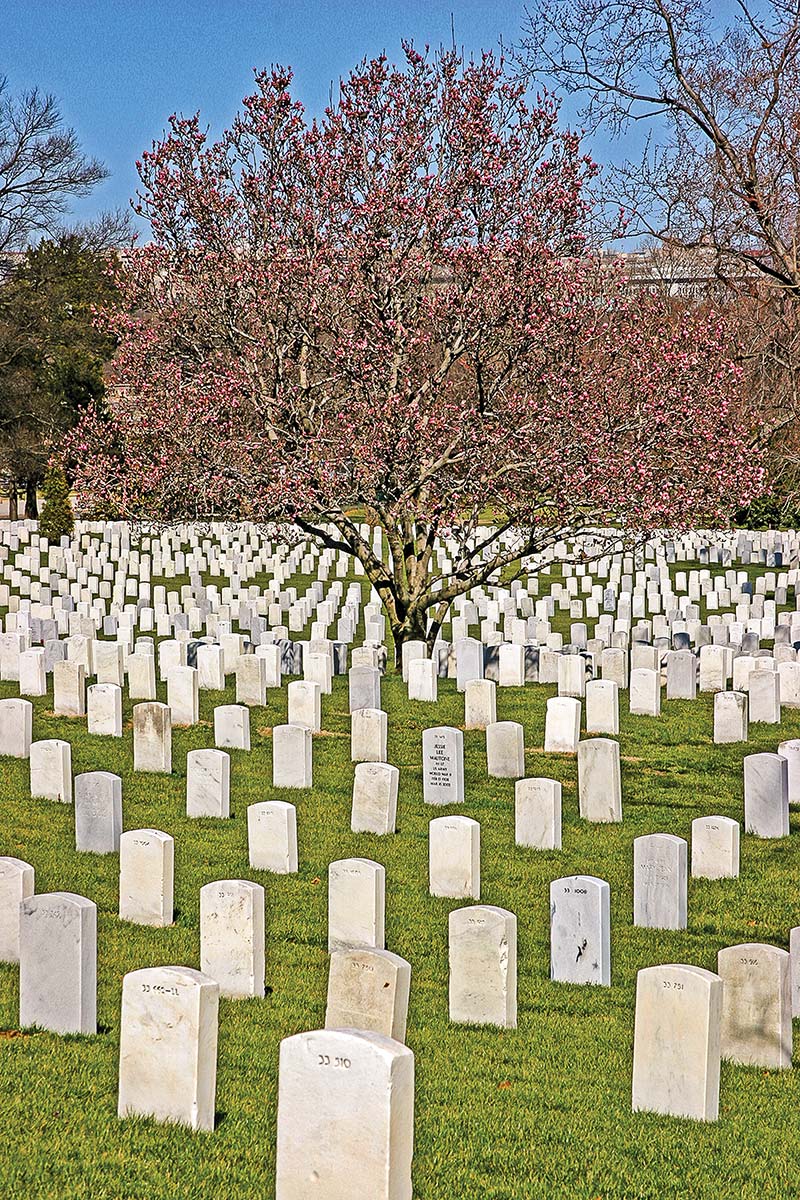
<point>391,313</point>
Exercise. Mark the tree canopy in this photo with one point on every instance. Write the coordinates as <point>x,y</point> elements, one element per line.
<point>394,309</point>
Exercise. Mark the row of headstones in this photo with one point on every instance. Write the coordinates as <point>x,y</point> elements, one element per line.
<point>556,586</point>
<point>232,912</point>
<point>771,781</point>
<point>687,1019</point>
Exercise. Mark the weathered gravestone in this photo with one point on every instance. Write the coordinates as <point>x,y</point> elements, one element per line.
<point>345,1117</point>
<point>146,873</point>
<point>168,1046</point>
<point>790,750</point>
<point>764,698</point>
<point>104,710</point>
<point>368,989</point>
<point>537,813</point>
<point>480,703</point>
<point>562,728</point>
<point>232,936</point>
<point>69,689</point>
<point>291,756</point>
<point>454,857</point>
<point>505,750</point>
<point>364,688</point>
<point>51,770</point>
<point>730,718</point>
<point>374,807</point>
<point>251,681</point>
<point>152,738</point>
<point>794,964</point>
<point>756,1005</point>
<point>16,884</point>
<point>356,904</point>
<point>676,1047</point>
<point>16,728</point>
<point>183,695</point>
<point>58,963</point>
<point>766,795</point>
<point>369,730</point>
<point>599,780</point>
<point>645,693</point>
<point>423,680</point>
<point>305,704</point>
<point>602,707</point>
<point>715,848</point>
<point>483,966</point>
<point>659,881</point>
<point>272,837</point>
<point>208,783</point>
<point>98,812</point>
<point>580,930</point>
<point>232,726</point>
<point>681,675</point>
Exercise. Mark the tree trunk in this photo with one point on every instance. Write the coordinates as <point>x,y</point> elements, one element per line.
<point>412,628</point>
<point>13,506</point>
<point>31,502</point>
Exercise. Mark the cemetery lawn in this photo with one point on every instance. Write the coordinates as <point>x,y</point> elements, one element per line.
<point>539,1112</point>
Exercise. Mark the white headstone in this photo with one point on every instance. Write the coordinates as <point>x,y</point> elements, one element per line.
<point>483,966</point>
<point>345,1117</point>
<point>232,936</point>
<point>676,1047</point>
<point>168,1046</point>
<point>58,963</point>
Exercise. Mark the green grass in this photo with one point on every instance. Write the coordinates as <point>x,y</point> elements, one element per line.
<point>542,1111</point>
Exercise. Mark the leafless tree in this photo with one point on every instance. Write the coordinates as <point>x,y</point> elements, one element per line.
<point>719,87</point>
<point>41,167</point>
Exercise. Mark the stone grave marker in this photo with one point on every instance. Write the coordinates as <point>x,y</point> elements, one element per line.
<point>272,837</point>
<point>345,1116</point>
<point>356,904</point>
<point>208,783</point>
<point>580,930</point>
<point>537,813</point>
<point>374,807</point>
<point>676,1047</point>
<point>58,963</point>
<point>756,1005</point>
<point>443,765</point>
<point>454,857</point>
<point>715,848</point>
<point>291,756</point>
<point>17,881</point>
<point>659,881</point>
<point>146,872</point>
<point>168,1046</point>
<point>766,795</point>
<point>368,990</point>
<point>232,936</point>
<point>98,812</point>
<point>483,966</point>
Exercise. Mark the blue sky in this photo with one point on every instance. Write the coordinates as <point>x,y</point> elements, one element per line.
<point>119,68</point>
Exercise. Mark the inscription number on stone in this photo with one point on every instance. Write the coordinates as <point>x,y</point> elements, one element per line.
<point>578,891</point>
<point>159,987</point>
<point>678,987</point>
<point>325,1061</point>
<point>749,962</point>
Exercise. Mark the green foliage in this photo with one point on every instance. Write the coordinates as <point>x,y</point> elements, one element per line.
<point>771,511</point>
<point>52,352</point>
<point>57,518</point>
